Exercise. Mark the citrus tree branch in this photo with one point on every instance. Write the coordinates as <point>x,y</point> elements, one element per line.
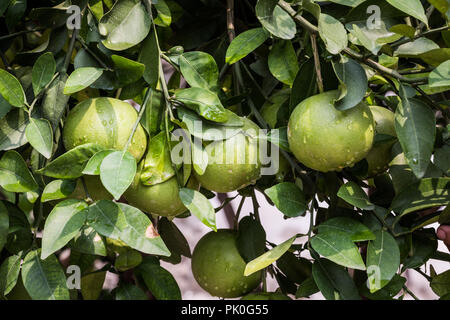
<point>357,56</point>
<point>316,62</point>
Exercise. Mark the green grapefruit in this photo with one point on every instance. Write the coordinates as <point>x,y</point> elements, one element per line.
<point>326,139</point>
<point>225,173</point>
<point>380,155</point>
<point>107,122</point>
<point>219,268</point>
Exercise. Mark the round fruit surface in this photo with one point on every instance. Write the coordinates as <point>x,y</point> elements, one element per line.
<point>233,163</point>
<point>219,268</point>
<point>107,122</point>
<point>266,296</point>
<point>95,188</point>
<point>380,155</point>
<point>326,139</point>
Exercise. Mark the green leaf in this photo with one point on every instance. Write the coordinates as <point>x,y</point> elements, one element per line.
<point>205,132</point>
<point>415,126</point>
<point>423,246</point>
<point>251,239</point>
<point>58,189</point>
<point>404,30</point>
<point>411,7</point>
<point>151,120</point>
<point>356,230</point>
<point>40,135</point>
<point>304,85</point>
<point>199,70</point>
<point>9,274</point>
<point>355,195</point>
<point>125,25</point>
<point>334,281</point>
<point>107,219</point>
<point>128,291</point>
<point>157,166</point>
<point>117,172</point>
<point>199,206</point>
<point>92,284</point>
<point>106,81</point>
<point>440,77</point>
<point>55,101</point>
<point>383,260</point>
<point>20,237</point>
<point>173,238</point>
<point>245,43</point>
<point>199,157</point>
<point>288,198</point>
<point>11,89</point>
<point>204,102</point>
<point>4,226</point>
<point>12,129</point>
<point>62,224</point>
<point>416,48</point>
<point>127,71</point>
<point>70,165</point>
<point>338,247</point>
<point>333,33</point>
<point>441,283</point>
<point>150,57</point>
<point>307,288</point>
<point>14,174</point>
<point>283,62</point>
<point>277,21</point>
<point>93,165</point>
<point>164,18</point>
<point>139,232</point>
<point>44,279</point>
<point>268,257</point>
<point>353,86</point>
<point>43,71</point>
<point>427,193</point>
<point>159,281</point>
<point>88,241</point>
<point>82,78</point>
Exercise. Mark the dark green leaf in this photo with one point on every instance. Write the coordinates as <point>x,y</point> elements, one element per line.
<point>117,172</point>
<point>128,291</point>
<point>40,135</point>
<point>58,189</point>
<point>43,71</point>
<point>93,165</point>
<point>288,198</point>
<point>283,62</point>
<point>9,274</point>
<point>14,174</point>
<point>277,21</point>
<point>44,279</point>
<point>55,101</point>
<point>127,71</point>
<point>251,239</point>
<point>150,57</point>
<point>11,89</point>
<point>355,195</point>
<point>199,70</point>
<point>82,78</point>
<point>62,224</point>
<point>356,230</point>
<point>199,206</point>
<point>88,241</point>
<point>245,43</point>
<point>159,281</point>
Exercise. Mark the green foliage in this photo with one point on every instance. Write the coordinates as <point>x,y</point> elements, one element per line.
<point>196,68</point>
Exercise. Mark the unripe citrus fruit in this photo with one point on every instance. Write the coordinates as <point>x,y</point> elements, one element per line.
<point>161,199</point>
<point>219,268</point>
<point>326,139</point>
<point>107,122</point>
<point>380,155</point>
<point>95,188</point>
<point>266,296</point>
<point>233,163</point>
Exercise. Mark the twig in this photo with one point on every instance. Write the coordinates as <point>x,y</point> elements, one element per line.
<point>12,35</point>
<point>238,213</point>
<point>369,62</point>
<point>420,35</point>
<point>317,62</point>
<point>70,50</point>
<point>261,91</point>
<point>410,293</point>
<point>138,120</point>
<point>167,59</point>
<point>92,53</point>
<point>86,191</point>
<point>230,20</point>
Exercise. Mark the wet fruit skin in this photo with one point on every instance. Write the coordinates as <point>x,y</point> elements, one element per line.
<point>266,296</point>
<point>221,176</point>
<point>380,155</point>
<point>161,199</point>
<point>107,122</point>
<point>326,139</point>
<point>219,268</point>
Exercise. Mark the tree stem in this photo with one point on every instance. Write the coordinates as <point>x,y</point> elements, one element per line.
<point>317,62</point>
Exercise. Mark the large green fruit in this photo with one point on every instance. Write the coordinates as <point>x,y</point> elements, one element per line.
<point>161,199</point>
<point>226,175</point>
<point>219,268</point>
<point>326,139</point>
<point>107,122</point>
<point>380,155</point>
<point>266,296</point>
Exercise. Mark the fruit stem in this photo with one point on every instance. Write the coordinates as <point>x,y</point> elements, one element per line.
<point>410,293</point>
<point>238,213</point>
<point>138,120</point>
<point>319,79</point>
<point>88,196</point>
